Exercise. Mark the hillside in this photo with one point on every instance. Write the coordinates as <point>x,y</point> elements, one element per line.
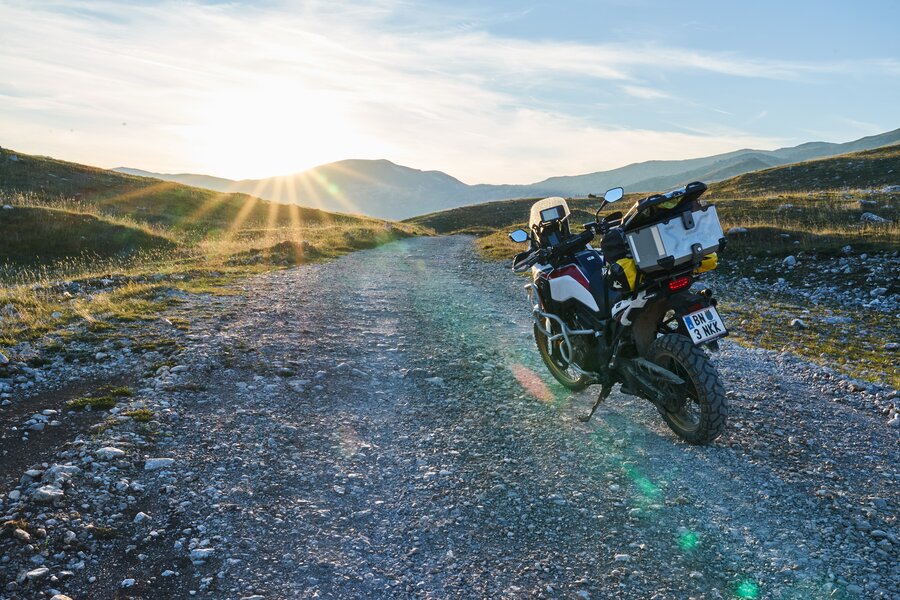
<point>83,249</point>
<point>73,217</point>
<point>39,236</point>
<point>869,169</point>
<point>379,188</point>
<point>145,200</point>
<point>383,189</point>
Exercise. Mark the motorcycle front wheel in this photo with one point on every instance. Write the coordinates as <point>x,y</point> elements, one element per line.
<point>552,357</point>
<point>701,409</point>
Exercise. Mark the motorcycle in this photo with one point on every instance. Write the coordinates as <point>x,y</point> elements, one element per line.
<point>627,313</point>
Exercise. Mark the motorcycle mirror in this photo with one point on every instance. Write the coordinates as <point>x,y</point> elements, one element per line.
<point>613,195</point>
<point>519,236</point>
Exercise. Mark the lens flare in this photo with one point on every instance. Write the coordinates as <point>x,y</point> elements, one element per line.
<point>688,540</point>
<point>532,383</point>
<point>747,589</point>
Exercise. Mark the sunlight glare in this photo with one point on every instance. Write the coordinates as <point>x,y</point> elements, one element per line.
<point>274,126</point>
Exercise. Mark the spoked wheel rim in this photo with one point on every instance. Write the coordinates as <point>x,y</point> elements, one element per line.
<point>552,349</point>
<point>689,414</point>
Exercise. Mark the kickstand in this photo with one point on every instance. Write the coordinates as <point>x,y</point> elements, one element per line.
<point>604,392</point>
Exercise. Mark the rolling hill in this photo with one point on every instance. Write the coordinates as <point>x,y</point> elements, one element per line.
<point>59,210</point>
<point>146,200</point>
<point>866,170</point>
<point>33,235</point>
<point>869,169</point>
<point>383,189</point>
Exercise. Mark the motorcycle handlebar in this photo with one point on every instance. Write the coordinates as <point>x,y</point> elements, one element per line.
<point>558,250</point>
<point>529,260</point>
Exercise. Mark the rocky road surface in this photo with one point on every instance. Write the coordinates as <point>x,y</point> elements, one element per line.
<point>381,427</point>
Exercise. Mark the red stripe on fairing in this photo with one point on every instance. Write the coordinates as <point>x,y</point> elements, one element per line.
<point>574,272</point>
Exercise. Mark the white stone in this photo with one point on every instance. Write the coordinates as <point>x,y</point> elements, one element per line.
<point>154,464</point>
<point>38,573</point>
<point>127,583</point>
<point>342,369</point>
<point>798,324</point>
<point>201,553</point>
<point>47,494</point>
<point>141,517</point>
<point>868,217</point>
<point>100,355</point>
<point>109,453</point>
<point>59,474</point>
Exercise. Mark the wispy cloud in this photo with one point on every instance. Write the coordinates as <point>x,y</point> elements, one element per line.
<point>246,90</point>
<point>645,93</point>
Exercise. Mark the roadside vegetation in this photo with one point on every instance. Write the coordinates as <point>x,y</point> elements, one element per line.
<point>85,245</point>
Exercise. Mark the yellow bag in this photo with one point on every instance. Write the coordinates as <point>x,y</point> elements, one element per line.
<point>630,270</point>
<point>709,262</point>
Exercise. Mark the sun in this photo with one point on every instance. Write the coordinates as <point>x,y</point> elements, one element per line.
<point>269,128</point>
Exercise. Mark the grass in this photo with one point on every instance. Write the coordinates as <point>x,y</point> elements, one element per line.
<point>94,402</point>
<point>99,532</point>
<point>77,223</point>
<point>37,235</point>
<point>122,391</point>
<point>141,415</point>
<point>852,348</point>
<point>867,170</point>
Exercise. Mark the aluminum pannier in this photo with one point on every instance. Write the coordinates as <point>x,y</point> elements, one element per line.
<point>680,239</point>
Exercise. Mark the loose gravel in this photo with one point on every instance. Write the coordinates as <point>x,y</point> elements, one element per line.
<point>381,426</point>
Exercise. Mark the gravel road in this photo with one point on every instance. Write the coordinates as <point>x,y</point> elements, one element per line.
<point>381,426</point>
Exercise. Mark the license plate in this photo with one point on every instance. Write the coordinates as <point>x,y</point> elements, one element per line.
<point>704,325</point>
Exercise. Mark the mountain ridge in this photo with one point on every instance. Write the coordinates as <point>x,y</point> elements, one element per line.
<point>384,189</point>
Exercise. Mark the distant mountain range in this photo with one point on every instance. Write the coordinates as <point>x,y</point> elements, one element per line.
<point>380,188</point>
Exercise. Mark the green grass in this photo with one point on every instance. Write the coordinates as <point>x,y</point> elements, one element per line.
<point>121,391</point>
<point>37,235</point>
<point>141,415</point>
<point>94,402</point>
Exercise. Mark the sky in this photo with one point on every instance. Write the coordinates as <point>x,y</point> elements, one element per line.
<point>489,92</point>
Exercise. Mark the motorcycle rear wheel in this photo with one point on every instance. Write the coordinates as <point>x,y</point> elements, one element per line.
<point>559,368</point>
<point>702,410</point>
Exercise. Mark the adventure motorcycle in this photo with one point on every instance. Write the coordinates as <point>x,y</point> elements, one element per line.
<point>626,314</point>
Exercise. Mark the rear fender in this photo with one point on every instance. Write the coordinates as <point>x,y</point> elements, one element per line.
<point>647,321</point>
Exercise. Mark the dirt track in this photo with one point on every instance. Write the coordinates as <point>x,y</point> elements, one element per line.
<point>381,426</point>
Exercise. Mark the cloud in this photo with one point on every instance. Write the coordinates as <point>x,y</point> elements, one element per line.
<point>645,93</point>
<point>248,90</point>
